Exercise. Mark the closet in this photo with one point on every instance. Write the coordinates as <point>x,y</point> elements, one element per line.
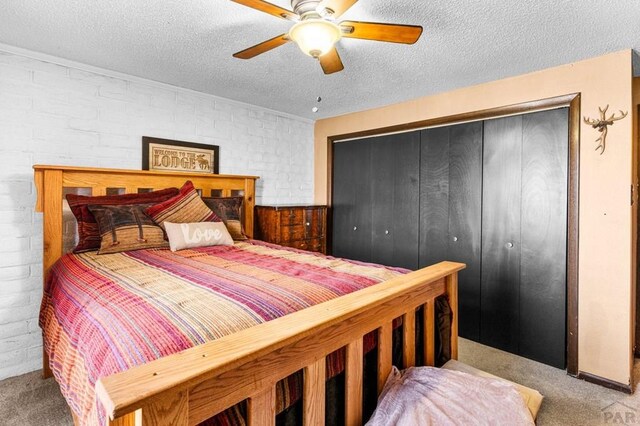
<point>491,194</point>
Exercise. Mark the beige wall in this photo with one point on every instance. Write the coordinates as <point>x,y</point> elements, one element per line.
<point>606,254</point>
<point>635,171</point>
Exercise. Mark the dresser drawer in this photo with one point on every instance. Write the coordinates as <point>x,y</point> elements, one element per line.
<point>313,230</point>
<point>292,232</point>
<point>292,217</point>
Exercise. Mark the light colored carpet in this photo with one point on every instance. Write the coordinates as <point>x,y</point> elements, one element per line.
<point>29,400</point>
<point>567,401</point>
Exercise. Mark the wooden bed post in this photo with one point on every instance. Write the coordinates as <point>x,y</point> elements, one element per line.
<point>49,187</point>
<point>52,221</point>
<point>249,204</point>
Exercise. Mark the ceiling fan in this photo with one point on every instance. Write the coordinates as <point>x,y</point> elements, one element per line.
<point>316,31</point>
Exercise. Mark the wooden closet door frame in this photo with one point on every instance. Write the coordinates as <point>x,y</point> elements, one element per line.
<point>571,101</point>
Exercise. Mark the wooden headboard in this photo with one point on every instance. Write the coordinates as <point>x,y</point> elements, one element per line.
<point>51,182</point>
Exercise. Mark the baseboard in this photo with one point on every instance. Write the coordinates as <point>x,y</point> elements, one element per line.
<point>607,383</point>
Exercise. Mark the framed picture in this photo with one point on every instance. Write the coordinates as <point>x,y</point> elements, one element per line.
<point>178,156</point>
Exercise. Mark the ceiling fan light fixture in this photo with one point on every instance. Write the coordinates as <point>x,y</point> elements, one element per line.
<point>315,37</point>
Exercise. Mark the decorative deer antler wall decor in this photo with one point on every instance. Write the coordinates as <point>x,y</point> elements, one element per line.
<point>602,125</point>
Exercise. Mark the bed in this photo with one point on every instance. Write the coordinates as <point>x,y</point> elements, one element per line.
<point>190,345</point>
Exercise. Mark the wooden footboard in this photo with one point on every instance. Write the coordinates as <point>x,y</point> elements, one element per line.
<point>198,383</point>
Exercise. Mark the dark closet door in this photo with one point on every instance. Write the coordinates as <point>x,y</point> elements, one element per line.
<point>524,235</point>
<point>394,199</point>
<point>352,200</point>
<point>500,301</point>
<point>544,237</point>
<point>450,211</point>
<point>465,220</point>
<point>434,195</point>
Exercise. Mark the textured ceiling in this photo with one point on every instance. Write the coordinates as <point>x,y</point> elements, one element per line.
<point>190,43</point>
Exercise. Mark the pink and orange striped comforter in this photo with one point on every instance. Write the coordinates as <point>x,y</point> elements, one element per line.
<point>103,314</point>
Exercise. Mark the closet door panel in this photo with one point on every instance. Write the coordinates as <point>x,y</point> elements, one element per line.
<point>501,233</point>
<point>395,192</point>
<point>434,195</point>
<point>352,200</point>
<point>406,195</point>
<point>544,237</point>
<point>343,205</point>
<point>465,220</point>
<point>361,240</point>
<point>382,185</point>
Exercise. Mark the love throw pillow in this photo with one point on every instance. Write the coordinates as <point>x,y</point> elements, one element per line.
<point>199,234</point>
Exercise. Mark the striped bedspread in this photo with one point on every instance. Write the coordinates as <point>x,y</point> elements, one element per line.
<point>103,314</point>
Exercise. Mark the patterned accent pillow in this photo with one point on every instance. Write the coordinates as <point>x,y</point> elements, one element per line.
<point>125,228</point>
<point>186,207</point>
<point>229,209</point>
<point>199,234</point>
<point>88,232</point>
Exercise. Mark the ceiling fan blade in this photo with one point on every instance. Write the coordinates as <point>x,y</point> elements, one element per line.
<point>336,7</point>
<point>269,8</point>
<point>265,46</point>
<point>407,34</point>
<point>331,62</point>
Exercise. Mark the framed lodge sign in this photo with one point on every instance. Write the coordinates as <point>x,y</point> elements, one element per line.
<point>178,156</point>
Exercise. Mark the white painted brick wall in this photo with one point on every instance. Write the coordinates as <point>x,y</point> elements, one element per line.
<point>53,114</point>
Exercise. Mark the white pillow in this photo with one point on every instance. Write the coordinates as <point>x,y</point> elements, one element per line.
<point>199,234</point>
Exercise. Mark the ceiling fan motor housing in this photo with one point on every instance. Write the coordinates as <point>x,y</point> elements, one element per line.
<point>304,7</point>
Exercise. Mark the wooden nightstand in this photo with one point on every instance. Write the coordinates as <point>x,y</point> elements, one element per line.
<point>299,226</point>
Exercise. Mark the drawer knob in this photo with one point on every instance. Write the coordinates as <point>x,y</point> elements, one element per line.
<point>455,238</point>
<point>355,228</point>
<point>386,232</point>
<point>509,245</point>
<point>308,224</point>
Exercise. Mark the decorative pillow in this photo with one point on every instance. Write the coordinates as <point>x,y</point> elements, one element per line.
<point>186,207</point>
<point>124,228</point>
<point>88,233</point>
<point>199,234</point>
<point>229,209</point>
